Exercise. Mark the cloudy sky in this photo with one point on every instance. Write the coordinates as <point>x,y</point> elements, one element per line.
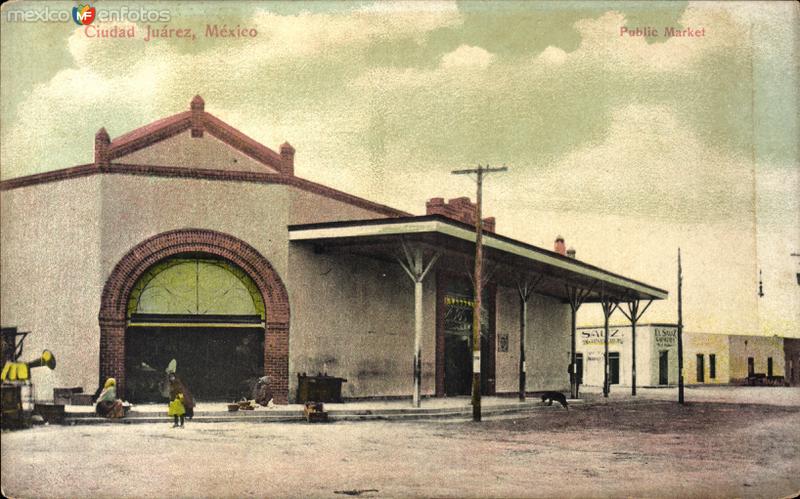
<point>627,146</point>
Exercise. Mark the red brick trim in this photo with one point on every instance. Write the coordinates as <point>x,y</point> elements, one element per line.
<point>150,134</point>
<point>242,142</point>
<point>205,174</point>
<point>119,284</point>
<point>198,121</point>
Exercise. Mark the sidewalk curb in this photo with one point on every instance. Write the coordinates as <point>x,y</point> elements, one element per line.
<point>283,416</point>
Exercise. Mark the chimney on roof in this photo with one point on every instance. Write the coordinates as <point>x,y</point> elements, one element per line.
<point>287,158</point>
<point>102,145</point>
<point>559,246</point>
<point>197,107</point>
<point>460,209</point>
<point>571,252</point>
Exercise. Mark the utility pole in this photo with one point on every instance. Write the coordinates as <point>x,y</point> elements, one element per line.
<point>680,330</point>
<point>480,171</point>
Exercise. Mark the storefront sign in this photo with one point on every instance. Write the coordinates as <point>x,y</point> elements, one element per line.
<point>666,337</point>
<point>597,337</point>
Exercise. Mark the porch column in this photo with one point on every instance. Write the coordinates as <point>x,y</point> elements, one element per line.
<point>414,268</point>
<point>525,289</point>
<point>633,314</point>
<point>609,305</point>
<point>576,297</point>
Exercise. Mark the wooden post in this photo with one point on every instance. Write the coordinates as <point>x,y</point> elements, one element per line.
<point>525,292</point>
<point>414,268</point>
<point>680,330</point>
<point>417,326</point>
<point>633,314</point>
<point>478,286</point>
<point>608,308</point>
<point>576,297</point>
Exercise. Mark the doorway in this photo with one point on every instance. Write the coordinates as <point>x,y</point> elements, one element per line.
<point>579,367</point>
<point>457,331</point>
<point>663,367</point>
<point>216,363</point>
<point>613,368</point>
<point>206,314</point>
<point>701,370</point>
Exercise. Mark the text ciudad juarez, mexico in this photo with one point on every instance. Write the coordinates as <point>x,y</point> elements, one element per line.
<point>150,32</point>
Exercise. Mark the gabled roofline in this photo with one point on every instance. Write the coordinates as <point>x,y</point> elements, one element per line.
<point>198,121</point>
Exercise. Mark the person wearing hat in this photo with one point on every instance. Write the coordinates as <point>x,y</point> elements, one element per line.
<point>108,405</point>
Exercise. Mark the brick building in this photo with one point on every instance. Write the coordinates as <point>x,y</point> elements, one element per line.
<point>187,239</point>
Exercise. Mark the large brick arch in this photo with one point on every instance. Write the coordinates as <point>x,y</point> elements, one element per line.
<point>120,283</point>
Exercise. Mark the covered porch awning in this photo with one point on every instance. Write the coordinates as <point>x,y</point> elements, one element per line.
<point>508,260</point>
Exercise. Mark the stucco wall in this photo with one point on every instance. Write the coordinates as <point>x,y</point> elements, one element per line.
<point>547,344</point>
<point>308,207</point>
<point>353,317</point>
<point>50,279</point>
<point>650,340</point>
<point>186,151</point>
<point>507,323</point>
<point>706,344</point>
<point>760,348</point>
<point>136,208</point>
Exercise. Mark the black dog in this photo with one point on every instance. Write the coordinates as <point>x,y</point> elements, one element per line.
<point>559,397</point>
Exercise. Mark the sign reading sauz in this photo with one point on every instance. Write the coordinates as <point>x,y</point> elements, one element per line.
<point>597,337</point>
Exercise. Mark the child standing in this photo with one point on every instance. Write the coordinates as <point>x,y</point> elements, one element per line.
<point>181,402</point>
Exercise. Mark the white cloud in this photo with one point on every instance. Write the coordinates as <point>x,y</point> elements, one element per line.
<point>552,55</point>
<point>467,56</point>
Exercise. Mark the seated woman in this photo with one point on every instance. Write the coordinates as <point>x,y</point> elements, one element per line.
<point>108,405</point>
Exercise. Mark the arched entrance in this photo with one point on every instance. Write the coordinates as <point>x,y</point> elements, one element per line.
<point>205,313</point>
<point>198,293</point>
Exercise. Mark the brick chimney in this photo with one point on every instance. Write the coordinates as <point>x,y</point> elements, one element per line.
<point>460,209</point>
<point>287,158</point>
<point>197,107</point>
<point>571,252</point>
<point>559,246</point>
<point>102,144</point>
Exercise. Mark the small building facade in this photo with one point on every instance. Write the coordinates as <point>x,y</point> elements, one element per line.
<point>186,239</point>
<point>707,358</point>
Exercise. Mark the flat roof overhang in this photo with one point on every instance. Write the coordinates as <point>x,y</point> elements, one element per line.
<point>507,260</point>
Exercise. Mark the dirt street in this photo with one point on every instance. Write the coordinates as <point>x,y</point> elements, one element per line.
<point>642,448</point>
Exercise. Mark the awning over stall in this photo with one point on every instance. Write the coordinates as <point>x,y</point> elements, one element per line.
<point>508,259</point>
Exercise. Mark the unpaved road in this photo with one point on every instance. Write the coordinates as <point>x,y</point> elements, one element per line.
<point>642,448</point>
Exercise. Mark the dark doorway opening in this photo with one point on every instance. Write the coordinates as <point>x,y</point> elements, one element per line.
<point>613,368</point>
<point>701,370</point>
<point>663,367</point>
<point>579,368</point>
<point>217,363</point>
<point>458,318</point>
<point>751,366</point>
<point>712,366</point>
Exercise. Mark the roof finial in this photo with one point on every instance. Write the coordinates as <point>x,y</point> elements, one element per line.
<point>102,144</point>
<point>198,110</point>
<point>197,104</point>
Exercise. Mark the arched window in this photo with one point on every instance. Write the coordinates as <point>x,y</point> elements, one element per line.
<point>195,288</point>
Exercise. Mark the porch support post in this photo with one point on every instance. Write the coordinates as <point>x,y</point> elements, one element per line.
<point>576,297</point>
<point>413,266</point>
<point>609,305</point>
<point>525,289</point>
<point>634,314</point>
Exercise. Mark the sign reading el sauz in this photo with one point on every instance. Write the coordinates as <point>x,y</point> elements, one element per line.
<point>666,336</point>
